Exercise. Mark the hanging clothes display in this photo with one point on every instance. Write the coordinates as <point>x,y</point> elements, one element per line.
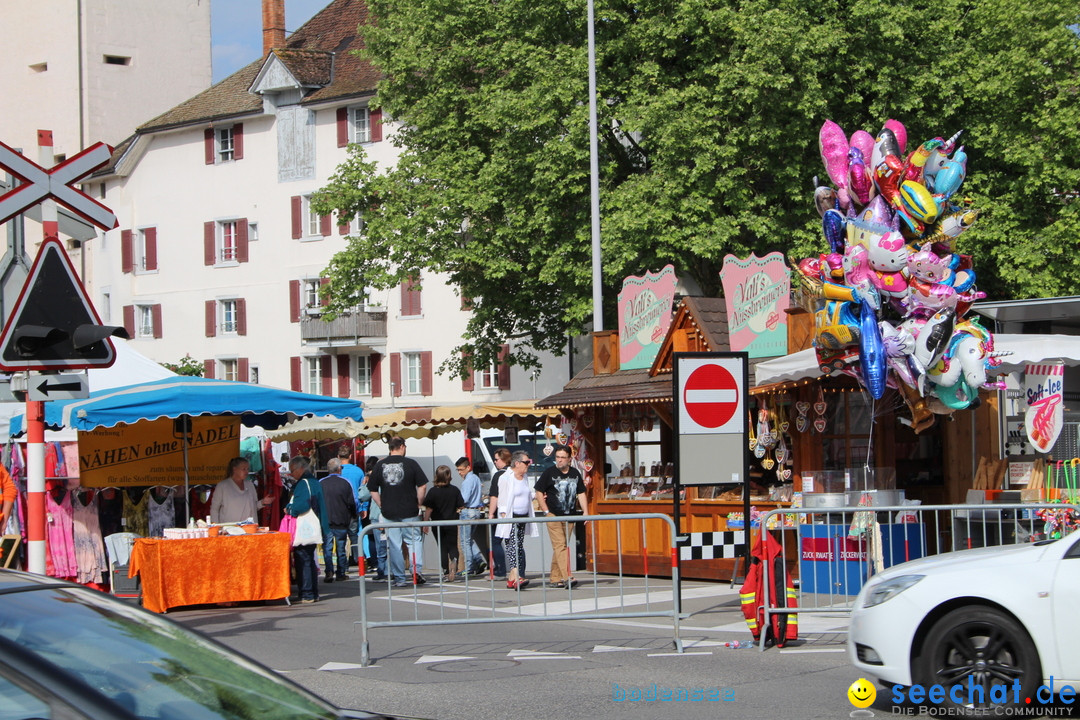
<point>270,516</point>
<point>110,502</point>
<point>251,450</point>
<point>161,510</point>
<point>89,545</point>
<point>60,534</point>
<point>69,453</point>
<point>199,497</point>
<point>136,519</point>
<point>54,468</point>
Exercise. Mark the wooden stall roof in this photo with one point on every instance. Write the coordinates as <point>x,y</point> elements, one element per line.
<point>621,388</point>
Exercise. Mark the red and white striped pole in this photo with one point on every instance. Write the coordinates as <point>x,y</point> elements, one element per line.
<point>35,410</point>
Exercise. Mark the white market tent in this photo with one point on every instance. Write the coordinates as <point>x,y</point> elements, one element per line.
<point>1021,349</point>
<point>131,367</point>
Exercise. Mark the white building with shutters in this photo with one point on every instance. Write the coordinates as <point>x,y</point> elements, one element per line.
<point>219,256</point>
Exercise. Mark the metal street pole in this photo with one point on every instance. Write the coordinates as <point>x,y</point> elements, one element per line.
<point>594,183</point>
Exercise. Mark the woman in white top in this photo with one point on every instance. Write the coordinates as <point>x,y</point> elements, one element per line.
<point>235,499</point>
<point>515,500</point>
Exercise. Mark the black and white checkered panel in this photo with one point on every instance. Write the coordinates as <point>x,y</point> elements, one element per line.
<point>712,545</point>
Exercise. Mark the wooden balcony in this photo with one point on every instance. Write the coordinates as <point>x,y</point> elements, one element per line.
<point>356,328</point>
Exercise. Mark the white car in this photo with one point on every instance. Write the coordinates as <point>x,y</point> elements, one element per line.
<point>990,627</point>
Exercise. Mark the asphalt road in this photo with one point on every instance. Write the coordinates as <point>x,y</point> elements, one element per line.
<point>546,668</point>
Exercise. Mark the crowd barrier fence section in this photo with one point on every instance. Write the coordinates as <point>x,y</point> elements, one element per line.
<point>838,550</point>
<point>655,598</point>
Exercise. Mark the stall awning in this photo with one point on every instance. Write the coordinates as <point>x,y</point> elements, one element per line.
<point>257,405</point>
<point>1021,349</point>
<point>625,387</point>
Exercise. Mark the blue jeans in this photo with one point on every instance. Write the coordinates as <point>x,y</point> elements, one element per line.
<point>414,539</point>
<point>307,575</point>
<point>473,559</point>
<point>337,537</point>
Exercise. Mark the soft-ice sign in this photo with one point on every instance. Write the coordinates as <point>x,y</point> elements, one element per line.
<point>644,316</point>
<point>757,291</point>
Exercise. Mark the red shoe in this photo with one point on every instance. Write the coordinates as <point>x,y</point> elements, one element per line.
<point>516,584</point>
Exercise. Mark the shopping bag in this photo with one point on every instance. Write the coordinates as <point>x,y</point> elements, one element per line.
<point>288,525</point>
<point>308,529</point>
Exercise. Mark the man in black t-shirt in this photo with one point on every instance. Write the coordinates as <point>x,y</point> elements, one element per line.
<point>498,555</point>
<point>558,492</point>
<point>398,486</point>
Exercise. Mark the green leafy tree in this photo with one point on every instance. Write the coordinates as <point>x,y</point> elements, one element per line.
<point>186,366</point>
<point>709,119</point>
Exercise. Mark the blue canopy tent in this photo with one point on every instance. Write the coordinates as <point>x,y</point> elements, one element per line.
<point>184,397</point>
<point>180,396</point>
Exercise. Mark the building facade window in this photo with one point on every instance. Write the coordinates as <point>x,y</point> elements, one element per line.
<point>363,374</point>
<point>311,299</point>
<point>413,373</point>
<point>312,219</point>
<point>144,315</point>
<point>313,376</point>
<point>359,125</point>
<point>227,241</point>
<point>228,320</point>
<point>229,370</point>
<point>226,145</point>
<point>489,377</point>
<point>411,298</point>
<point>253,374</point>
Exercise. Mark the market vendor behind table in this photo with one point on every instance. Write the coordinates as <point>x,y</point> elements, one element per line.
<point>235,499</point>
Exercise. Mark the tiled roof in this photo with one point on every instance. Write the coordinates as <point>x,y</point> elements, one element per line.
<point>331,31</point>
<point>309,67</point>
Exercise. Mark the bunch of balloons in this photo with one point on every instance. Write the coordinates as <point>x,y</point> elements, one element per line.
<point>892,295</point>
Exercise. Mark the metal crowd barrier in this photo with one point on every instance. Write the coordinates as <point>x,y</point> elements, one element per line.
<point>584,602</point>
<point>840,549</point>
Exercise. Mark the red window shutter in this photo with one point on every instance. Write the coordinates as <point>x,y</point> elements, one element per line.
<point>324,225</point>
<point>238,141</point>
<point>426,376</point>
<point>241,316</point>
<point>326,374</point>
<point>343,229</point>
<point>208,146</point>
<point>209,243</point>
<point>155,316</point>
<point>375,362</point>
<point>324,300</point>
<point>211,318</point>
<point>468,383</point>
<point>342,127</point>
<point>127,256</point>
<point>504,368</point>
<point>375,118</point>
<point>208,368</point>
<point>129,320</point>
<point>343,376</point>
<point>410,298</point>
<point>297,205</point>
<point>395,374</point>
<point>150,255</point>
<point>294,301</point>
<point>243,370</point>
<point>242,240</point>
<point>295,377</point>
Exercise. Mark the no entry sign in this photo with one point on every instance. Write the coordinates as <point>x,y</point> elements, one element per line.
<point>711,396</point>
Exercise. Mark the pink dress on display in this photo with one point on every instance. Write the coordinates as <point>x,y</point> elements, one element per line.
<point>61,536</point>
<point>89,545</point>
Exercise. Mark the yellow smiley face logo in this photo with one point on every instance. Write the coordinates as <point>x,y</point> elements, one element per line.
<point>862,693</point>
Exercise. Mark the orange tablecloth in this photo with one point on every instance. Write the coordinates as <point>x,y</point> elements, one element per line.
<point>196,571</point>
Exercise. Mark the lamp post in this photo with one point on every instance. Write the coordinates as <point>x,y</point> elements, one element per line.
<point>594,183</point>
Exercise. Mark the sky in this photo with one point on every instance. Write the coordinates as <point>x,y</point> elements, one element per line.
<point>236,30</point>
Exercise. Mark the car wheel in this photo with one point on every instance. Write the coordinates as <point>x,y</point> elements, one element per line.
<point>982,647</point>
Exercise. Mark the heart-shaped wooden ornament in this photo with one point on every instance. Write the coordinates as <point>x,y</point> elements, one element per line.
<point>803,407</point>
<point>819,424</point>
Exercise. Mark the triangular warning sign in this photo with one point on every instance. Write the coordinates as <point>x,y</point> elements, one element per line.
<point>41,333</point>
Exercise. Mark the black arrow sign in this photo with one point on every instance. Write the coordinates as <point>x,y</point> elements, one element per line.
<point>45,387</point>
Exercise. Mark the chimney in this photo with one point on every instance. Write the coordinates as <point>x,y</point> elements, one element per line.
<point>273,21</point>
